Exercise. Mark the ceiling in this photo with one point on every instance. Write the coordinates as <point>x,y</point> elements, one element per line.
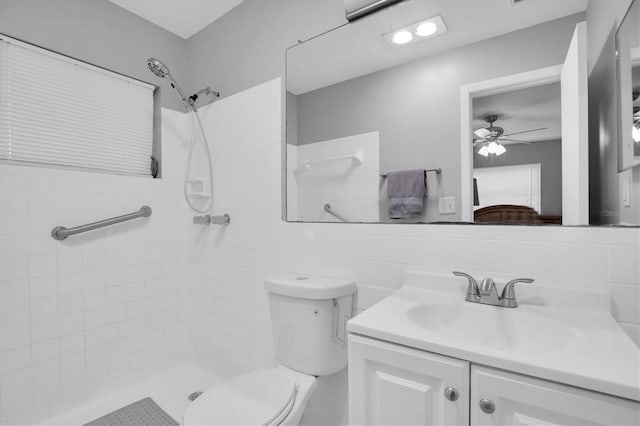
<point>358,49</point>
<point>184,18</point>
<point>523,109</point>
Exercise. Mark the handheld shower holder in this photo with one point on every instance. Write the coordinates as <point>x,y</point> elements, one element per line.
<point>206,91</point>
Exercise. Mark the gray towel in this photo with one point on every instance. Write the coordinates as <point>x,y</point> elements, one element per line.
<point>406,190</point>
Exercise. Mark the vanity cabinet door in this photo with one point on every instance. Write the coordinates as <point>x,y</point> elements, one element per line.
<point>395,385</point>
<point>523,400</point>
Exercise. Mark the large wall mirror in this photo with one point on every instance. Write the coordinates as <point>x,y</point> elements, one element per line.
<point>628,80</point>
<point>418,114</point>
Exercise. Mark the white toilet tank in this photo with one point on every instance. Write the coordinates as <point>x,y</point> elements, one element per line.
<point>308,320</point>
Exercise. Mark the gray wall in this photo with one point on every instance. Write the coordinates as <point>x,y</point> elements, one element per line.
<point>292,118</point>
<point>549,155</point>
<point>246,46</point>
<point>603,150</point>
<point>416,106</point>
<point>98,32</point>
<point>602,16</point>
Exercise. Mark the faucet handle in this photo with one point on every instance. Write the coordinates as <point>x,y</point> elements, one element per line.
<point>202,220</point>
<point>472,289</point>
<point>508,292</point>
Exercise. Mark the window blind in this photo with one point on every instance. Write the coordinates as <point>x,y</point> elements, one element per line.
<point>55,110</point>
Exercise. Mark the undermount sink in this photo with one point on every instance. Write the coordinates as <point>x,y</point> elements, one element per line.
<point>494,326</point>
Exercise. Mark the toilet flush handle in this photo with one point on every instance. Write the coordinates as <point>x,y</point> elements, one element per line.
<point>339,333</point>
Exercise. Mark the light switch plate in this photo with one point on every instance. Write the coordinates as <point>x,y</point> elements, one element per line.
<point>447,205</point>
<point>626,191</point>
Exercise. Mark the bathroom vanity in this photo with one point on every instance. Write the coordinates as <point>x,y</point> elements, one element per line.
<point>425,356</point>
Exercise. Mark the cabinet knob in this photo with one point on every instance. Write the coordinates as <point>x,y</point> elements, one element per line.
<point>487,406</point>
<point>451,394</point>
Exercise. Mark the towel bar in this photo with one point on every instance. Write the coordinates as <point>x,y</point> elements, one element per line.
<point>437,171</point>
<point>356,158</point>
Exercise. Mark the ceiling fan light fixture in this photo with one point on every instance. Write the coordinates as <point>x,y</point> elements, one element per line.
<point>492,148</point>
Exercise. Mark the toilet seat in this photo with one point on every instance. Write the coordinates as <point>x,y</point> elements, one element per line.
<point>262,397</point>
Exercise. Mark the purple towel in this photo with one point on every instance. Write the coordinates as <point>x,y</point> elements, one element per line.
<point>406,190</point>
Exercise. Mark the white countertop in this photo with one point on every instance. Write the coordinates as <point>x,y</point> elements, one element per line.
<point>565,335</point>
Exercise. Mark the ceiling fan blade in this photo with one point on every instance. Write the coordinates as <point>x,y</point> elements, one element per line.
<point>482,133</point>
<point>479,141</point>
<point>526,131</point>
<point>507,141</point>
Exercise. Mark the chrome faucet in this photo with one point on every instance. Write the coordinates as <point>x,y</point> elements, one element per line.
<point>202,220</point>
<point>225,219</point>
<point>487,293</point>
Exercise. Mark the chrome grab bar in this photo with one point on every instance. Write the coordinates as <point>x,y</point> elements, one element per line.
<point>327,208</point>
<point>61,233</point>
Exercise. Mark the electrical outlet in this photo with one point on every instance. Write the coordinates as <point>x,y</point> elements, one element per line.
<point>447,205</point>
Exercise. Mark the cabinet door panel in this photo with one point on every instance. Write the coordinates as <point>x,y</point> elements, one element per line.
<point>394,385</point>
<point>527,401</point>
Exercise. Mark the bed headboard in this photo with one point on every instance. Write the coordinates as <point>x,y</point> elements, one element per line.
<point>507,213</point>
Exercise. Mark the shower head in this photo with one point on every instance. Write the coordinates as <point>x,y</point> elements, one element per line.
<point>157,67</point>
<point>162,71</point>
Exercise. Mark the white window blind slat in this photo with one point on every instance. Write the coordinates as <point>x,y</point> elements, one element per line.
<point>55,110</point>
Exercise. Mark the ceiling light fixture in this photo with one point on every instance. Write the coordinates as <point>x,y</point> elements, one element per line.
<point>426,29</point>
<point>493,148</point>
<point>402,37</point>
<point>417,31</point>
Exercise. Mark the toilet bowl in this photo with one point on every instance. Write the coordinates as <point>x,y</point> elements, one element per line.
<point>275,396</point>
<point>308,320</point>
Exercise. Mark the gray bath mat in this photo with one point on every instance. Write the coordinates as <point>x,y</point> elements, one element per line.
<point>141,413</point>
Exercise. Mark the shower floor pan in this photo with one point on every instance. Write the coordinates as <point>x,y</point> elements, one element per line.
<point>169,389</point>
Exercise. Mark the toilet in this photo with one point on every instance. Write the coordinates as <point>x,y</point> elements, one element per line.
<point>308,321</point>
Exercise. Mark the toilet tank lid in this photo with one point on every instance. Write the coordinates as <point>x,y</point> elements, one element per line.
<point>309,287</point>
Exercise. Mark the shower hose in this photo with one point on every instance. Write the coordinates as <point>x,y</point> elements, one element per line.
<point>196,122</point>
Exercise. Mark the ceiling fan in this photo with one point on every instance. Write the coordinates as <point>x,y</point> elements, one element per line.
<point>491,139</point>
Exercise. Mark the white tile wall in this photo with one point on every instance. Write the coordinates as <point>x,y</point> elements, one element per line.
<point>82,316</point>
<point>116,311</point>
<point>351,188</point>
<point>228,265</point>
